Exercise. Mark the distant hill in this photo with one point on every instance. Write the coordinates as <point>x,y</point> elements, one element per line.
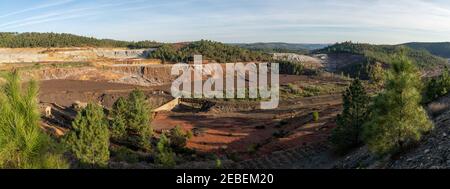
<point>439,49</point>
<point>211,50</point>
<point>385,53</point>
<point>282,47</point>
<point>47,40</point>
<point>357,59</point>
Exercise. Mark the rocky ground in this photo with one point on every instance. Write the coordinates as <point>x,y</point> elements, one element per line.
<point>434,151</point>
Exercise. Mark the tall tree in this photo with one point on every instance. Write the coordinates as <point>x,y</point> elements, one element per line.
<point>22,142</point>
<point>165,156</point>
<point>89,138</point>
<point>347,134</point>
<point>119,119</point>
<point>138,117</point>
<point>397,119</point>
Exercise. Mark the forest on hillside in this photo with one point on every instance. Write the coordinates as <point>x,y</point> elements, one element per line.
<point>386,53</point>
<point>213,51</point>
<point>281,47</point>
<point>47,40</point>
<point>438,49</point>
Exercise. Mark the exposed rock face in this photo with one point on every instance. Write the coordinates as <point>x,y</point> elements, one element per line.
<point>34,55</point>
<point>144,75</point>
<point>307,61</point>
<point>294,57</point>
<point>150,75</point>
<point>337,62</point>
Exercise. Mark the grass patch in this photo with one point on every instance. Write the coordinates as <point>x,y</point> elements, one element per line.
<point>309,90</point>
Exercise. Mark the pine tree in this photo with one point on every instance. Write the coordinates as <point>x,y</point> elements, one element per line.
<point>347,134</point>
<point>119,119</point>
<point>178,138</point>
<point>23,145</point>
<point>438,87</point>
<point>376,74</point>
<point>138,118</point>
<point>397,118</point>
<point>165,156</point>
<point>89,138</point>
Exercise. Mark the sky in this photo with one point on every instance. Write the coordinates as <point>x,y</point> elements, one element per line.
<point>293,21</point>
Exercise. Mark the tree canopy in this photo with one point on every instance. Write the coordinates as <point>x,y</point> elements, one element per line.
<point>396,118</point>
<point>386,53</point>
<point>213,51</point>
<point>47,40</point>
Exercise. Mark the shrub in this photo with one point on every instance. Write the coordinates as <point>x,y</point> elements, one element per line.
<point>138,118</point>
<point>294,89</point>
<point>23,145</point>
<point>165,156</point>
<point>218,163</point>
<point>124,154</point>
<point>438,87</point>
<point>89,138</point>
<point>347,134</point>
<point>178,138</point>
<point>311,90</point>
<point>397,119</point>
<point>315,116</point>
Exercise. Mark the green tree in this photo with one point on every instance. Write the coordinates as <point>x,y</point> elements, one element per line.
<point>89,138</point>
<point>138,118</point>
<point>347,134</point>
<point>397,119</point>
<point>23,145</point>
<point>178,138</point>
<point>165,156</point>
<point>376,74</point>
<point>438,87</point>
<point>119,119</point>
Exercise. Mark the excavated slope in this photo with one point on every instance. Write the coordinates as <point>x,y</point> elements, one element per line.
<point>35,55</point>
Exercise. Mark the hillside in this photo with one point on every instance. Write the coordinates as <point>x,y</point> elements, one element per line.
<point>47,40</point>
<point>385,53</point>
<point>213,51</point>
<point>439,49</point>
<point>359,57</point>
<point>282,47</point>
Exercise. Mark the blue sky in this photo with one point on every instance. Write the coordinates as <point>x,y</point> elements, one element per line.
<point>296,21</point>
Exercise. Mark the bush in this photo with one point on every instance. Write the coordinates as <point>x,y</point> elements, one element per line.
<point>123,154</point>
<point>315,116</point>
<point>118,123</point>
<point>347,134</point>
<point>437,87</point>
<point>138,118</point>
<point>218,163</point>
<point>165,156</point>
<point>89,138</point>
<point>23,145</point>
<point>178,138</point>
<point>397,119</point>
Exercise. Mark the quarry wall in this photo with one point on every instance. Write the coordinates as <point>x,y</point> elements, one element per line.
<point>34,55</point>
